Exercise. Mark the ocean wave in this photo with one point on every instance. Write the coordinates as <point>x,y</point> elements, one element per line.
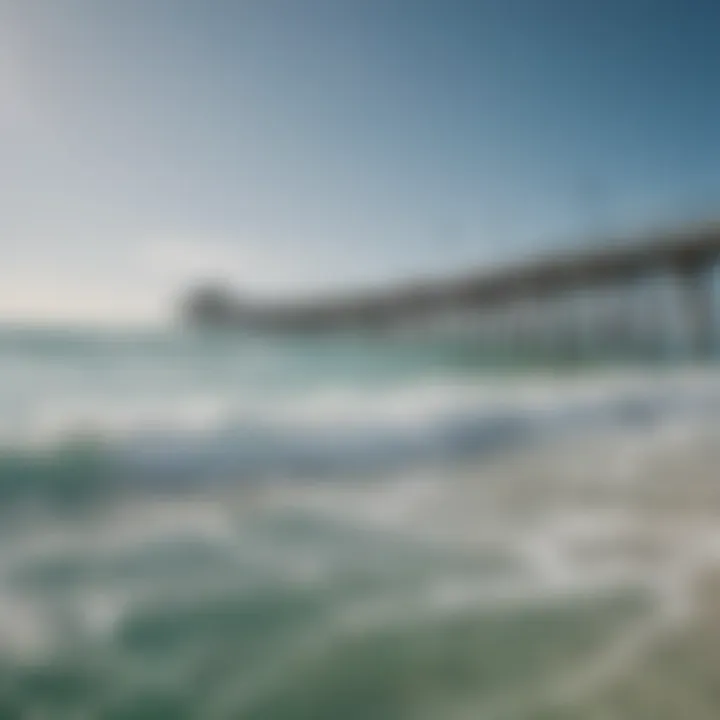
<point>205,438</point>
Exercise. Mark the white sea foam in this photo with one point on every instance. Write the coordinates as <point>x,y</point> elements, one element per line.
<point>392,504</point>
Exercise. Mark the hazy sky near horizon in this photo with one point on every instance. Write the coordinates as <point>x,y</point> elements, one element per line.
<point>300,145</point>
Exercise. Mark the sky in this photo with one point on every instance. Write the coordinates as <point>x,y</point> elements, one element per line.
<point>291,147</point>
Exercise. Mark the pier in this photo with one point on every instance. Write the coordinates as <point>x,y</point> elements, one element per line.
<point>653,293</point>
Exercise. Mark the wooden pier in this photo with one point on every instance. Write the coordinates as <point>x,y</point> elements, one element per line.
<point>576,301</point>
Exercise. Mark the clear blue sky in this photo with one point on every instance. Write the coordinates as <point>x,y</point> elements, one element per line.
<point>300,145</point>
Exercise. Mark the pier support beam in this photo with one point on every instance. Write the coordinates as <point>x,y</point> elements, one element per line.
<point>697,295</point>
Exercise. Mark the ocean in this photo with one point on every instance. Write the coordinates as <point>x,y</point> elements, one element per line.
<point>199,525</point>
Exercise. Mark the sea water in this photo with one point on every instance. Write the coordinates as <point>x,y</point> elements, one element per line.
<point>217,526</point>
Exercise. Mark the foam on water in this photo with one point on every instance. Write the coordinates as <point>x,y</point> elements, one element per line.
<point>228,531</point>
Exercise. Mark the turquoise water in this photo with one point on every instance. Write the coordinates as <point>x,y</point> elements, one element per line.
<point>207,526</point>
